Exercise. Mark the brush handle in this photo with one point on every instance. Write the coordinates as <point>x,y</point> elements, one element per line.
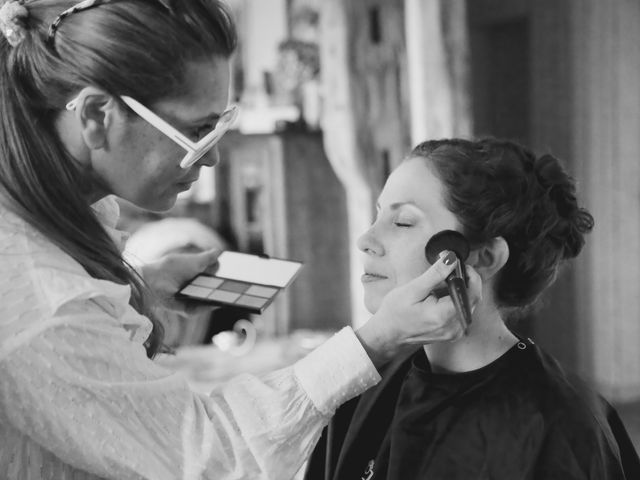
<point>458,293</point>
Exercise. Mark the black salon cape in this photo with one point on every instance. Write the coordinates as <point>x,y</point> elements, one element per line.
<point>521,417</point>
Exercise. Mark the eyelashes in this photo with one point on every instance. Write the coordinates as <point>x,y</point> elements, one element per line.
<point>395,219</point>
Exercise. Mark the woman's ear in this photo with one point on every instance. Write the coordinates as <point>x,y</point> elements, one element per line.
<point>95,110</point>
<point>490,257</point>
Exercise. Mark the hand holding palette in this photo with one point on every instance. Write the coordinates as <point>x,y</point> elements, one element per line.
<point>242,280</point>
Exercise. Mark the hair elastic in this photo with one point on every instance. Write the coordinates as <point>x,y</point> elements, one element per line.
<point>11,25</point>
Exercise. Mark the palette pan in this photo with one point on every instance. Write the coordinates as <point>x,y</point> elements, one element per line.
<point>242,280</point>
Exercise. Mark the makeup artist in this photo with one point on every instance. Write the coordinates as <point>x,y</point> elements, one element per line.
<point>128,98</point>
<point>491,405</point>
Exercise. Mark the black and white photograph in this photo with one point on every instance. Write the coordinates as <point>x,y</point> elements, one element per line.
<point>319,240</point>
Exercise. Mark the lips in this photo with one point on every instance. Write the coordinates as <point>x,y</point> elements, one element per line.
<point>187,183</point>
<point>372,277</point>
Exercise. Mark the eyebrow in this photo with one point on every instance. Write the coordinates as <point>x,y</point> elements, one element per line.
<point>397,205</point>
<point>174,119</point>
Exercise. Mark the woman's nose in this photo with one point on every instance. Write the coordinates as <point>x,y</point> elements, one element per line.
<point>211,158</point>
<point>368,243</point>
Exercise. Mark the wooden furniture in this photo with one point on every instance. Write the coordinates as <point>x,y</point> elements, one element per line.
<point>276,194</point>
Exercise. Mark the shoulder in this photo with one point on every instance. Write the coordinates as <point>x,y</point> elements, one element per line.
<point>580,429</point>
<point>40,282</point>
<point>564,418</point>
<point>565,403</point>
<point>559,390</point>
<point>532,392</point>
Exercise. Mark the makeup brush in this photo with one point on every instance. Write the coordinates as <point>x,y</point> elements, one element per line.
<point>457,280</point>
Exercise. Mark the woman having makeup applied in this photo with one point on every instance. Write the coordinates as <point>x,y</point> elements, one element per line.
<point>490,405</point>
<point>128,98</point>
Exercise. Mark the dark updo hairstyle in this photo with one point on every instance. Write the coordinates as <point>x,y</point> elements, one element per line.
<point>498,188</point>
<point>126,47</point>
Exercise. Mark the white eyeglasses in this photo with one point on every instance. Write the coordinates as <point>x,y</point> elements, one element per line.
<point>195,150</point>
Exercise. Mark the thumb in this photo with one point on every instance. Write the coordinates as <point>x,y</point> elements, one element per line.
<point>421,287</point>
<point>202,260</point>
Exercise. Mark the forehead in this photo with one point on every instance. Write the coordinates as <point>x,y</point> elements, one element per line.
<point>413,181</point>
<point>205,91</point>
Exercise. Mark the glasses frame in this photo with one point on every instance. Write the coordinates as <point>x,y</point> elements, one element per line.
<point>195,150</point>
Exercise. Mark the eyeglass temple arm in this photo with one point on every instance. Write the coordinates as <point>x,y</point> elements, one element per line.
<point>160,124</point>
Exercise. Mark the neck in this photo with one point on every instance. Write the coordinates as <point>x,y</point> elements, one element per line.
<point>93,188</point>
<point>93,197</point>
<point>486,340</point>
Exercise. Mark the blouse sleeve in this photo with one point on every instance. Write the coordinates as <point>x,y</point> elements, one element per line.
<point>88,394</point>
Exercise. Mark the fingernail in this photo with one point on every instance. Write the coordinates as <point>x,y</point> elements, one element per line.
<point>448,257</point>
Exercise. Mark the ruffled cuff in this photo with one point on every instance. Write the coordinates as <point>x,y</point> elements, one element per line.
<point>336,371</point>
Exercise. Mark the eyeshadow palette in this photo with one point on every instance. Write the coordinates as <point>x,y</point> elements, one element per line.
<point>242,280</point>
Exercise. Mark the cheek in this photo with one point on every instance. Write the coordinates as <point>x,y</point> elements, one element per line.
<point>407,262</point>
<point>158,184</point>
<point>153,149</point>
<point>411,264</point>
<point>161,163</point>
<point>152,184</point>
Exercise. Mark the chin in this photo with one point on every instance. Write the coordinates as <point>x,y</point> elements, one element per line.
<point>157,205</point>
<point>371,304</point>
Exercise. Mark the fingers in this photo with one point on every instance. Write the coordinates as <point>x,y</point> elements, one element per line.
<point>473,296</point>
<point>207,258</point>
<point>199,262</point>
<point>419,288</point>
<point>189,309</point>
<point>197,310</point>
<point>180,267</point>
<point>443,325</point>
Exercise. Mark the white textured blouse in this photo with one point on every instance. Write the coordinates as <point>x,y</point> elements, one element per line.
<point>79,399</point>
